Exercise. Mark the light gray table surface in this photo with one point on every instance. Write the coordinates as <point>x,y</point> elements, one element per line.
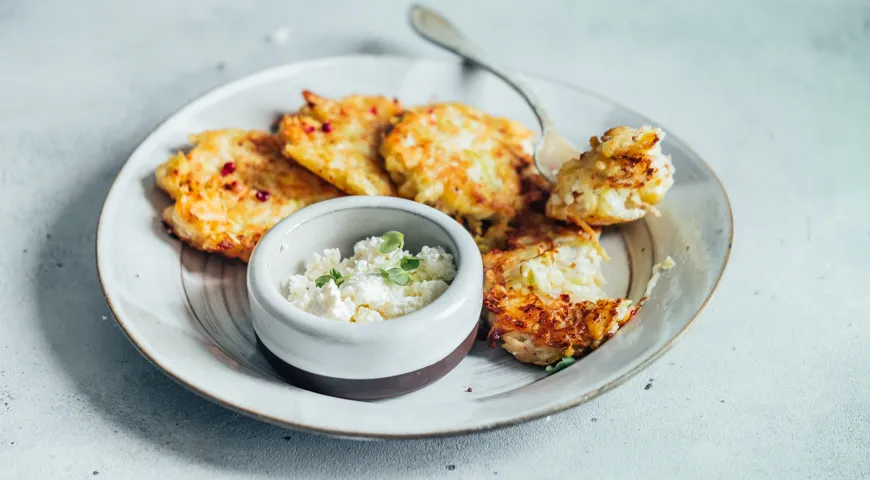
<point>772,382</point>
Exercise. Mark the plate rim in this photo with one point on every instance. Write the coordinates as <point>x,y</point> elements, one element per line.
<point>495,425</point>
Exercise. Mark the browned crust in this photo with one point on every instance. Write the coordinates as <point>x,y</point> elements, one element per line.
<point>630,154</point>
<point>549,328</point>
<point>338,140</point>
<point>416,168</point>
<point>229,211</point>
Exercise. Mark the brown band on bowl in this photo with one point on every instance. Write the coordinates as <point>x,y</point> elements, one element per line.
<point>374,388</point>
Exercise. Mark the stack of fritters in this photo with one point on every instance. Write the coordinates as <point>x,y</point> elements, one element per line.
<point>542,284</point>
<point>234,185</point>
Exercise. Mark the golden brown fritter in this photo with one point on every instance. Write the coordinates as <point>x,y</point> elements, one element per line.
<point>232,187</point>
<point>338,140</point>
<point>543,293</point>
<point>535,190</point>
<point>490,236</point>
<point>517,137</point>
<point>459,160</point>
<point>624,176</point>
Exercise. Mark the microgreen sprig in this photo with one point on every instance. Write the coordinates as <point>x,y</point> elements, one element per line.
<point>563,363</point>
<point>409,263</point>
<point>392,241</point>
<point>395,275</point>
<point>333,276</point>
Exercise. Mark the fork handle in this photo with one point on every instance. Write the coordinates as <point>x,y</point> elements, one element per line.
<point>438,30</point>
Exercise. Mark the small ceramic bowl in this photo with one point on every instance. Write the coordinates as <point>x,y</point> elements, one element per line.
<point>363,361</point>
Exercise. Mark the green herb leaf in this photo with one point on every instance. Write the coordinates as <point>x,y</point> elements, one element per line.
<point>563,363</point>
<point>398,276</point>
<point>335,274</point>
<point>392,241</point>
<point>409,263</point>
<point>383,273</point>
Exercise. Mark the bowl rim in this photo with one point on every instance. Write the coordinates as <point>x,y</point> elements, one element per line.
<point>467,259</point>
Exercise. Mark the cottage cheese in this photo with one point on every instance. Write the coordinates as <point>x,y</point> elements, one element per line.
<point>574,269</point>
<point>365,295</point>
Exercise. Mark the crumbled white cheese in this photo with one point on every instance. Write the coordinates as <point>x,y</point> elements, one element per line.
<point>328,303</point>
<point>666,264</point>
<point>575,270</point>
<point>365,295</point>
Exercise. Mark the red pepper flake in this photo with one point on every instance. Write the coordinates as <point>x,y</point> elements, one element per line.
<point>430,110</point>
<point>262,195</point>
<point>326,127</point>
<point>373,110</point>
<point>230,186</point>
<point>468,389</point>
<point>308,128</point>
<point>493,338</point>
<point>228,168</point>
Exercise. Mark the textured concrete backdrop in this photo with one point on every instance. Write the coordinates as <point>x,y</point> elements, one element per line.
<point>772,382</point>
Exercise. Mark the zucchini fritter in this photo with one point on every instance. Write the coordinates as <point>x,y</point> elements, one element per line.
<point>624,176</point>
<point>543,294</point>
<point>535,191</point>
<point>459,160</point>
<point>338,140</point>
<point>232,187</point>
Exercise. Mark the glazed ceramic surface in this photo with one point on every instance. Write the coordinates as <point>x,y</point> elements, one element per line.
<point>365,350</point>
<point>189,313</point>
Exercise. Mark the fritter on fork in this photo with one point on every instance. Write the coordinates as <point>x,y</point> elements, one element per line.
<point>621,179</point>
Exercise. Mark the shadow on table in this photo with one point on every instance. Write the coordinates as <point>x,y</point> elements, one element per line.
<point>136,398</point>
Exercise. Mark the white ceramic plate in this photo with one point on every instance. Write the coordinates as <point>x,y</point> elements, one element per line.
<point>187,312</point>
